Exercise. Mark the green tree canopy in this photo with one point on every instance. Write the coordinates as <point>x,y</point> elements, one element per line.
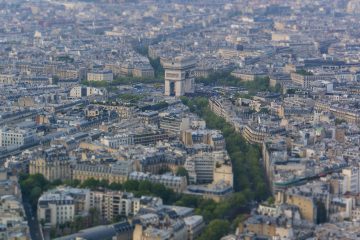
<point>181,171</point>
<point>215,230</point>
<point>145,186</point>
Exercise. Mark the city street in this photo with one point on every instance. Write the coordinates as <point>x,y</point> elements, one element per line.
<point>32,221</point>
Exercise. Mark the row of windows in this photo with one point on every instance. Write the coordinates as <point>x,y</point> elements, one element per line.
<point>64,207</point>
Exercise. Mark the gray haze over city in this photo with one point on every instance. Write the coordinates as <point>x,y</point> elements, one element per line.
<point>179,119</point>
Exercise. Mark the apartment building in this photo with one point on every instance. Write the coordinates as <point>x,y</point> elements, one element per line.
<point>177,183</point>
<point>257,132</point>
<point>351,179</point>
<point>220,107</point>
<point>345,112</point>
<point>36,80</point>
<point>268,227</point>
<point>149,117</point>
<point>143,71</point>
<point>16,137</point>
<point>210,167</point>
<point>307,198</point>
<point>115,173</point>
<point>114,203</point>
<point>54,163</point>
<point>176,231</point>
<point>7,79</point>
<point>55,208</point>
<point>67,74</point>
<point>124,111</point>
<point>305,80</point>
<point>201,166</point>
<point>114,67</point>
<point>145,138</point>
<point>194,224</point>
<point>279,79</point>
<point>80,91</point>
<point>211,137</point>
<point>248,75</point>
<point>255,135</point>
<point>62,205</point>
<point>171,125</point>
<point>13,224</point>
<point>104,75</point>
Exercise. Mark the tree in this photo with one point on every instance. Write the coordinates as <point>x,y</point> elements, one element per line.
<point>131,185</point>
<point>42,222</point>
<point>129,97</point>
<point>143,50</point>
<point>96,83</point>
<point>237,221</point>
<point>104,183</point>
<point>32,186</point>
<point>261,191</point>
<point>119,218</point>
<point>339,121</point>
<point>34,195</point>
<point>145,186</point>
<point>90,183</point>
<point>115,186</point>
<point>94,216</point>
<point>181,171</point>
<point>161,191</point>
<point>215,230</point>
<point>245,157</point>
<point>57,182</point>
<point>158,68</point>
<point>79,223</point>
<point>53,233</point>
<point>238,199</point>
<point>270,200</point>
<point>222,209</point>
<point>188,201</point>
<point>72,183</point>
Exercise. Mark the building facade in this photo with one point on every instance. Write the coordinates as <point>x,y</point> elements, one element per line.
<point>53,163</point>
<point>100,76</point>
<point>16,137</point>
